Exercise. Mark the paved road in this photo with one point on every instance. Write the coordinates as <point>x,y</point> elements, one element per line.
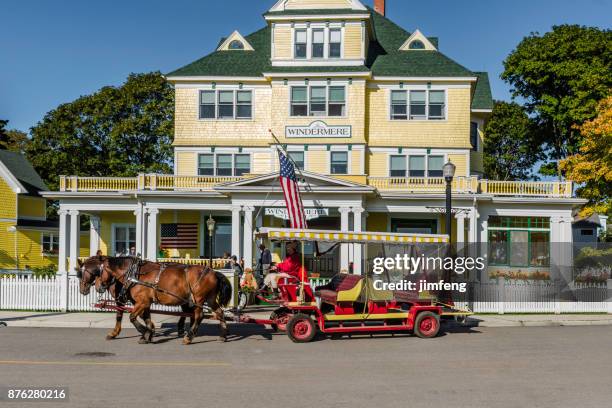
<point>478,367</point>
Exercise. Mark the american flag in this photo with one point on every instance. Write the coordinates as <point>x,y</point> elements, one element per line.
<point>291,190</point>
<point>179,236</point>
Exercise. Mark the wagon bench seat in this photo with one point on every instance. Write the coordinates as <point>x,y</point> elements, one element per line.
<point>340,283</point>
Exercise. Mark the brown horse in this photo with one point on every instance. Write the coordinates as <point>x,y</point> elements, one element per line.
<point>170,285</point>
<point>89,273</point>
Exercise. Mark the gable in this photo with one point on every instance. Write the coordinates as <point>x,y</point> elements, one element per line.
<point>417,36</point>
<point>283,5</point>
<point>235,38</point>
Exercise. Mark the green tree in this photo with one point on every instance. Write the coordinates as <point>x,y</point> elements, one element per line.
<point>117,131</point>
<point>561,76</point>
<point>4,139</point>
<point>510,149</point>
<point>17,140</point>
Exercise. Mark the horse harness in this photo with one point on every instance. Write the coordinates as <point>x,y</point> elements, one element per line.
<point>133,273</point>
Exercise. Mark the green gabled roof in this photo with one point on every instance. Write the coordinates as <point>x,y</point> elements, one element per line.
<point>23,171</point>
<point>483,99</point>
<point>384,56</point>
<point>314,12</point>
<point>234,62</point>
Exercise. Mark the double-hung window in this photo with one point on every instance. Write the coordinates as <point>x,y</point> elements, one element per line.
<point>226,104</point>
<point>125,238</point>
<point>298,159</point>
<point>318,101</point>
<point>337,101</point>
<point>399,107</point>
<point>436,105</point>
<point>434,166</point>
<point>301,43</point>
<point>418,105</point>
<point>339,163</point>
<point>318,43</point>
<point>335,43</point>
<point>398,166</point>
<point>223,164</point>
<point>416,166</point>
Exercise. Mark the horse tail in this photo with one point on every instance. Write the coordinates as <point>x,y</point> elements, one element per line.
<point>224,289</point>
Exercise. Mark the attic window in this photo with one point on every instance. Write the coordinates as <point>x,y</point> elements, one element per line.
<point>417,45</point>
<point>236,45</point>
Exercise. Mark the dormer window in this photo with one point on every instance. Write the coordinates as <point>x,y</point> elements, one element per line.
<point>236,45</point>
<point>301,43</point>
<point>417,45</point>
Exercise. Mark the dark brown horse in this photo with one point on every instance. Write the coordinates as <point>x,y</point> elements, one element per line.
<point>193,286</point>
<point>89,272</point>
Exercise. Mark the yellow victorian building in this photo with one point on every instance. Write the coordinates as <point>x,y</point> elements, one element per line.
<point>368,111</point>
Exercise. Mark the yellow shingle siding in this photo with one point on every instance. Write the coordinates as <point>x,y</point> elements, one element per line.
<point>378,164</point>
<point>31,207</point>
<point>7,246</point>
<point>317,4</point>
<point>460,161</point>
<point>8,200</point>
<point>354,117</point>
<point>262,163</point>
<point>452,132</point>
<point>355,157</point>
<point>191,131</point>
<point>186,163</point>
<point>353,41</point>
<point>318,161</point>
<point>282,42</point>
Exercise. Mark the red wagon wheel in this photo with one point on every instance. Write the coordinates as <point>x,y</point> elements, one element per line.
<point>301,328</point>
<point>427,325</point>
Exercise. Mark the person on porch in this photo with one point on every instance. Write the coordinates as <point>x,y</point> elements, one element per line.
<point>291,267</point>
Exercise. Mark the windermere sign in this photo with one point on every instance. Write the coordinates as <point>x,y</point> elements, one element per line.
<point>318,129</point>
<point>311,213</point>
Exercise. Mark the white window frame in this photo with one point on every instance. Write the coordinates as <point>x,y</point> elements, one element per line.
<point>215,167</point>
<point>427,117</point>
<point>309,27</point>
<point>319,85</point>
<point>54,238</point>
<point>339,149</point>
<point>114,227</point>
<point>407,155</point>
<point>235,105</point>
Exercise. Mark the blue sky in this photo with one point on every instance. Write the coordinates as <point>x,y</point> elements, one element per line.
<point>52,52</point>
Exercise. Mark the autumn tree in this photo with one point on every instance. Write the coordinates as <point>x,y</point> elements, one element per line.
<point>592,165</point>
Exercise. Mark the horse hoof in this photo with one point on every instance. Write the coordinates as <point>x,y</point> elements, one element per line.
<point>223,339</point>
<point>110,337</point>
<point>143,341</point>
<point>186,341</point>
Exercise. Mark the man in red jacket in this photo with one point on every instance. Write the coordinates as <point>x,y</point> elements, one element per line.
<point>290,267</point>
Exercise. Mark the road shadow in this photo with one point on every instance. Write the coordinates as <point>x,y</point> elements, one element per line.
<point>210,332</point>
<point>17,318</point>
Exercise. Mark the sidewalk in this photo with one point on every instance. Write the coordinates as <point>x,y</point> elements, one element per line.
<point>107,320</point>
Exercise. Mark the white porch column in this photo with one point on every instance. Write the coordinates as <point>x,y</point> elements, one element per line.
<point>473,233</point>
<point>460,241</point>
<point>357,248</point>
<point>561,257</point>
<point>63,242</point>
<point>344,226</point>
<point>94,234</point>
<point>236,231</point>
<point>248,236</point>
<point>75,224</point>
<point>140,247</point>
<point>152,234</point>
<point>484,249</point>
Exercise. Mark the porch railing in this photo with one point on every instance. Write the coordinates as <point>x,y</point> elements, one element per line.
<point>424,184</point>
<point>527,188</point>
<point>141,182</point>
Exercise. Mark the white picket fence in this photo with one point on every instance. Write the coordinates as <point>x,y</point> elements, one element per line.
<point>45,294</point>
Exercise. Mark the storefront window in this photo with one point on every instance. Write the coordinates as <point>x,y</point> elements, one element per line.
<point>519,241</point>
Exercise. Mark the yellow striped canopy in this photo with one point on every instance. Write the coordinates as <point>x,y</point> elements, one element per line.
<point>365,237</point>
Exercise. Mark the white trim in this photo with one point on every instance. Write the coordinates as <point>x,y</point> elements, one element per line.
<point>320,84</point>
<point>424,79</point>
<point>427,91</point>
<point>196,78</point>
<point>232,151</point>
<point>482,110</point>
<point>418,35</point>
<point>281,4</point>
<point>235,36</point>
<point>235,89</point>
<point>316,74</point>
<point>407,156</point>
<point>318,62</point>
<point>317,17</point>
<point>11,180</point>
<point>420,150</point>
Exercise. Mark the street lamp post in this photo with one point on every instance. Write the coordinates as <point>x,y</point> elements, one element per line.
<point>13,229</point>
<point>449,172</point>
<point>210,224</point>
